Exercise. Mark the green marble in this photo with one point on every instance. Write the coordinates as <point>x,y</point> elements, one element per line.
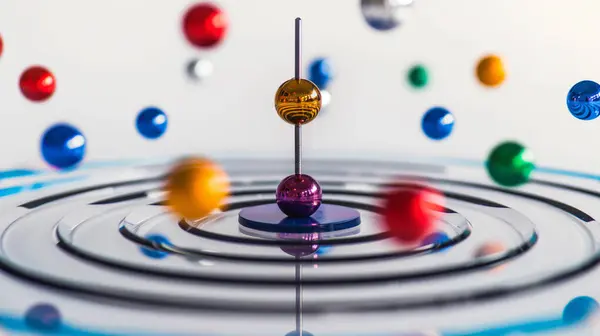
<point>510,164</point>
<point>418,76</point>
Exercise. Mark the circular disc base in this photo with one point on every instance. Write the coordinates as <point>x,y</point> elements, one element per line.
<point>328,218</point>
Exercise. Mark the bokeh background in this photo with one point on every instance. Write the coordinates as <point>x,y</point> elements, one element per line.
<point>112,58</point>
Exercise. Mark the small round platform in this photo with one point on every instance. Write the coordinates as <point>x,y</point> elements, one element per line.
<point>328,218</point>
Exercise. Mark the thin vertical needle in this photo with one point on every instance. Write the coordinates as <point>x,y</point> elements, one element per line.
<point>299,299</point>
<point>298,49</point>
<point>297,76</point>
<point>298,149</point>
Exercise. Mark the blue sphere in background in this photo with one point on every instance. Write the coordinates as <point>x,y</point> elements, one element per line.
<point>583,100</point>
<point>63,146</point>
<point>437,123</point>
<point>43,317</point>
<point>320,72</point>
<point>158,240</point>
<point>151,122</point>
<point>580,309</point>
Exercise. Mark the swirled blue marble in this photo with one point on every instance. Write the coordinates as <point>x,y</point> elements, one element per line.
<point>151,123</point>
<point>580,309</point>
<point>320,72</point>
<point>43,317</point>
<point>437,123</point>
<point>583,100</point>
<point>155,253</point>
<point>63,146</point>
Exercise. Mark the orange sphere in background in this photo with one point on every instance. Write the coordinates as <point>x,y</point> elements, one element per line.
<point>490,71</point>
<point>196,187</point>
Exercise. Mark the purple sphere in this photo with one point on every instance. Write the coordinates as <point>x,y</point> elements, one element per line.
<point>299,195</point>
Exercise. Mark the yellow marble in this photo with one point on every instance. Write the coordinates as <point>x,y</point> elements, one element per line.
<point>298,101</point>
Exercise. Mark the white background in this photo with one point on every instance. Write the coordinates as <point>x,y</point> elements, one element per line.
<point>112,58</point>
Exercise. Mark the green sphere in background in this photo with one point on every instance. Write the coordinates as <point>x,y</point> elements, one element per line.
<point>417,76</point>
<point>510,164</point>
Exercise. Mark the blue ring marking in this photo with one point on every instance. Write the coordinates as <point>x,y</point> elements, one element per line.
<point>328,218</point>
<point>14,173</point>
<point>537,326</point>
<point>37,185</point>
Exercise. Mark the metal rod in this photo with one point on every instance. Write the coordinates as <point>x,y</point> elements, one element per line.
<point>299,299</point>
<point>297,75</point>
<point>298,49</point>
<point>298,149</point>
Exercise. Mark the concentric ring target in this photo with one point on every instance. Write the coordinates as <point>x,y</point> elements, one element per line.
<point>86,241</point>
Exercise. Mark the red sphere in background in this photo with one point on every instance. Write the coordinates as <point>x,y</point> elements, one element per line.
<point>205,25</point>
<point>37,83</point>
<point>1,45</point>
<point>410,213</point>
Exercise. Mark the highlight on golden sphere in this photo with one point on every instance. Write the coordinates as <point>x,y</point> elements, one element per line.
<point>298,101</point>
<point>195,187</point>
<point>490,71</point>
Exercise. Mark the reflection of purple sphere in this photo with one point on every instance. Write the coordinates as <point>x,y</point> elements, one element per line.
<point>304,247</point>
<point>299,195</point>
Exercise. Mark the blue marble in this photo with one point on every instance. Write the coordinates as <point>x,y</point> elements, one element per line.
<point>583,100</point>
<point>320,72</point>
<point>580,309</point>
<point>154,253</point>
<point>63,146</point>
<point>437,123</point>
<point>151,123</point>
<point>43,317</point>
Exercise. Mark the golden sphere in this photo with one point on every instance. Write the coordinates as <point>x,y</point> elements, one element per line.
<point>298,101</point>
<point>195,187</point>
<point>490,71</point>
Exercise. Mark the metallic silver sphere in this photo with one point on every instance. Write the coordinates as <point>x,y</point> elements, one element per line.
<point>385,14</point>
<point>199,69</point>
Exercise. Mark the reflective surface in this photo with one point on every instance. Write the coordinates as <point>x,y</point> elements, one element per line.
<point>205,25</point>
<point>151,123</point>
<point>384,14</point>
<point>37,83</point>
<point>298,101</point>
<point>510,164</point>
<point>437,123</point>
<point>299,195</point>
<point>63,146</point>
<point>85,238</point>
<point>583,100</point>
